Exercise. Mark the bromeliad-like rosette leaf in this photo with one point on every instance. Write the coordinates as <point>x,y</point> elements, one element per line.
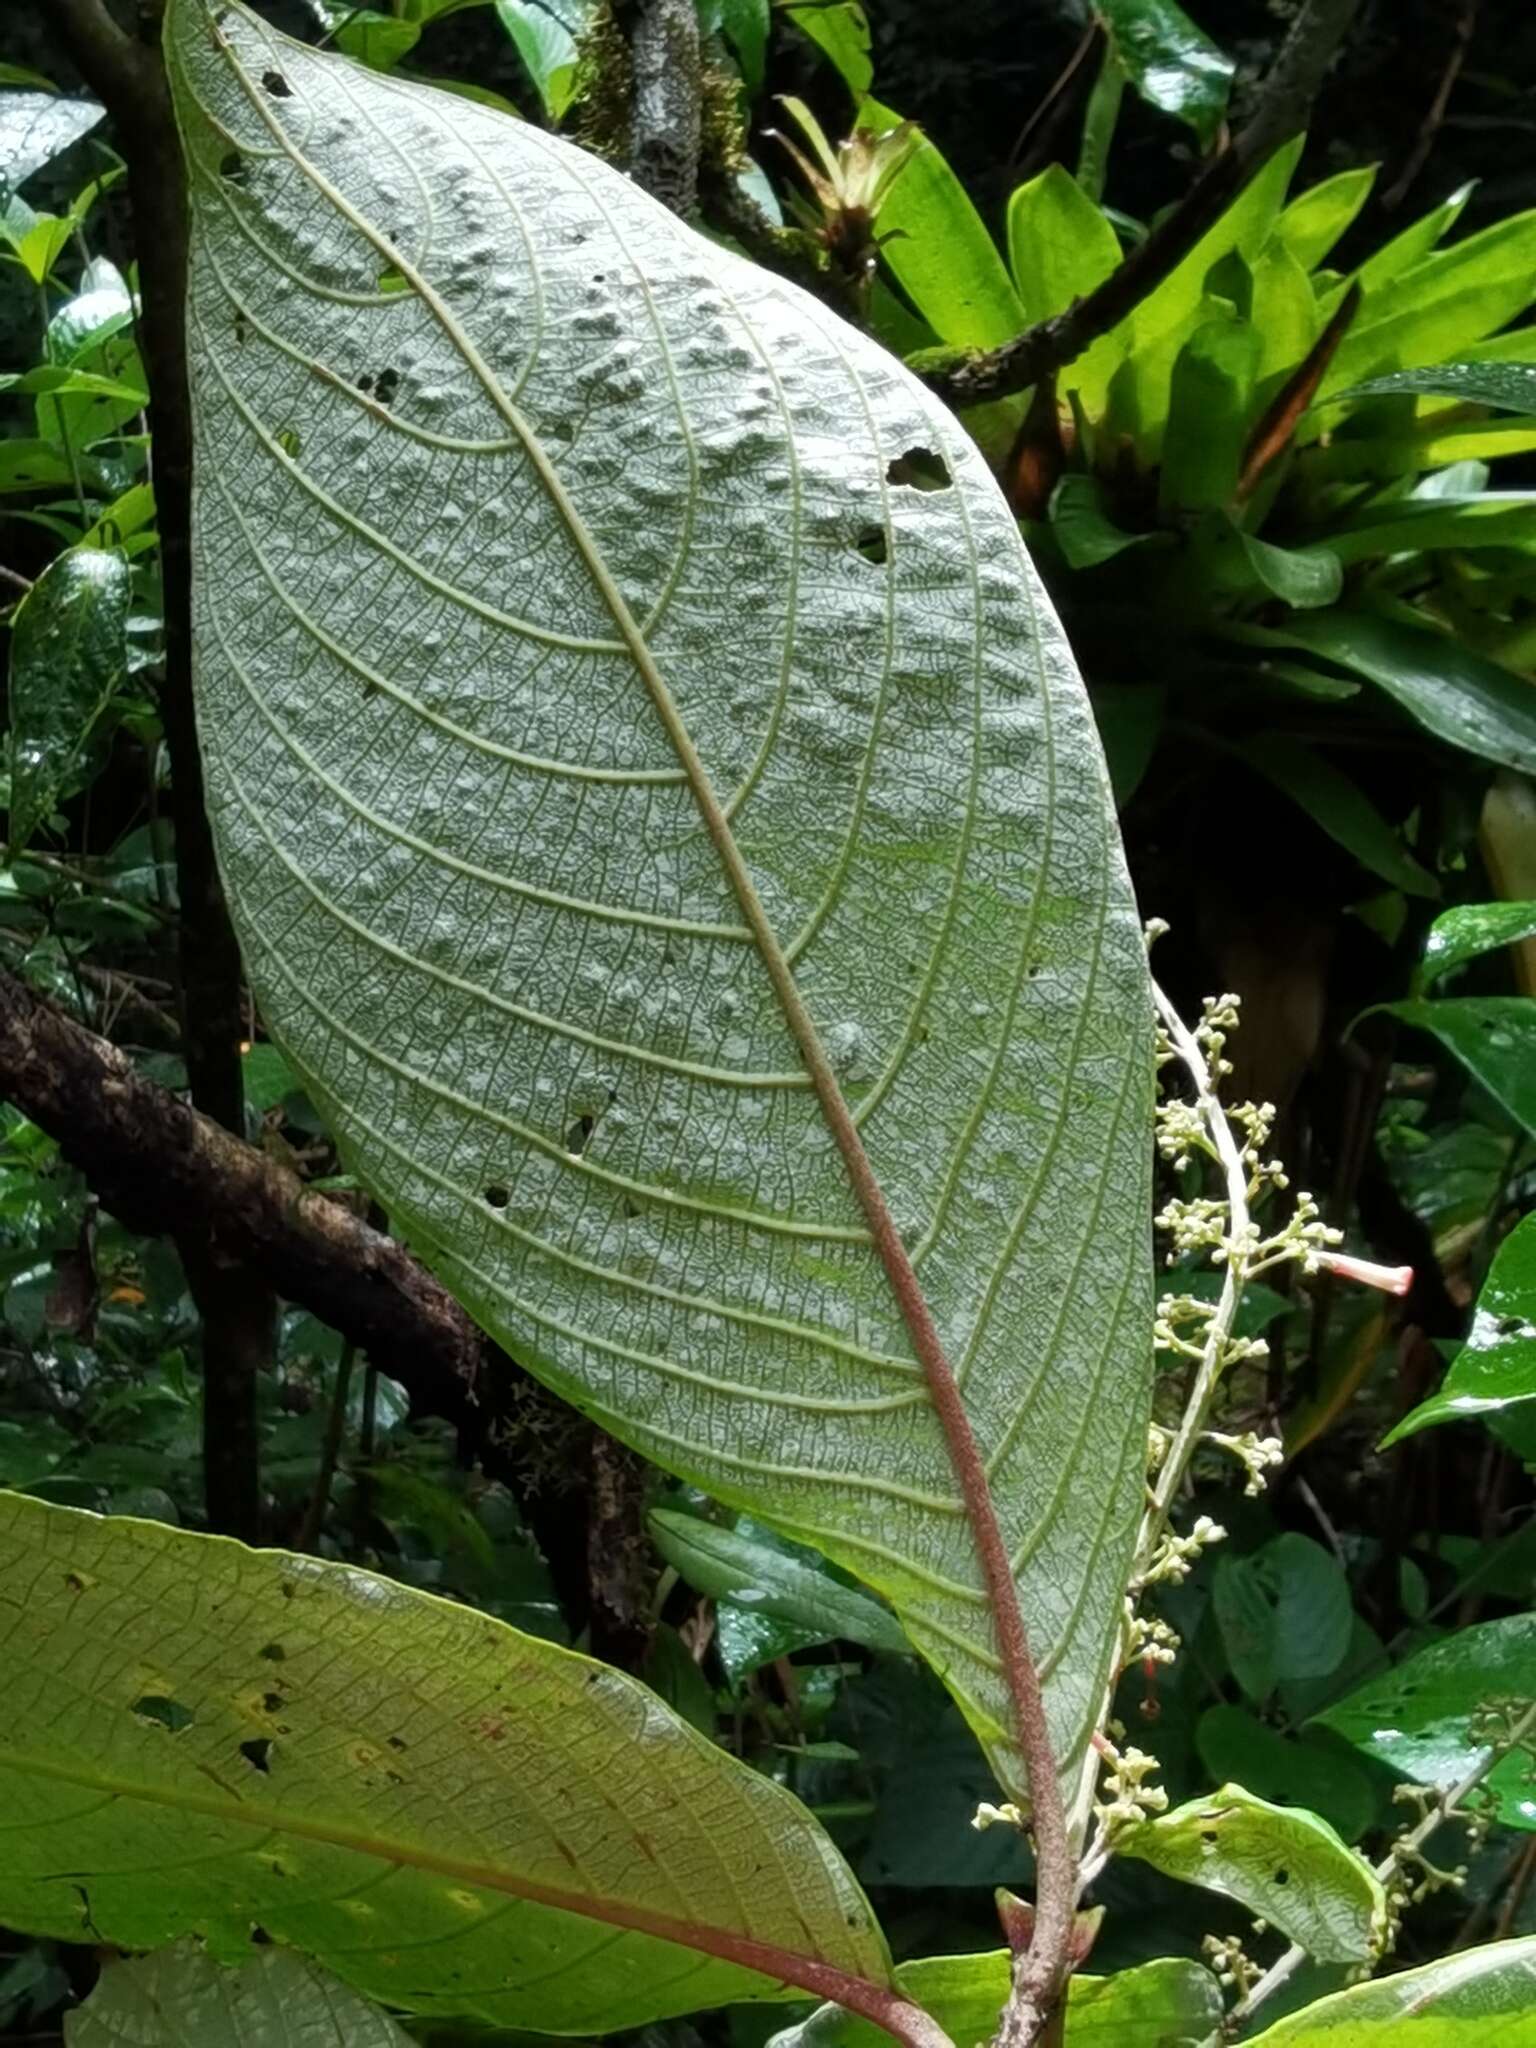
<point>668,835</point>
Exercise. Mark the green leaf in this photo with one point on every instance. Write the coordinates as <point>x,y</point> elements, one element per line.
<point>1451,690</point>
<point>1470,930</point>
<point>1210,411</point>
<point>1418,1717</point>
<point>1173,64</point>
<point>1130,719</point>
<point>1307,578</point>
<point>1283,1612</point>
<point>1428,312</point>
<point>1406,250</point>
<point>459,1819</point>
<point>546,35</point>
<point>939,250</point>
<point>48,378</point>
<point>1281,1862</point>
<point>35,127</point>
<point>1496,1368</point>
<point>1083,530</point>
<point>30,465</point>
<point>840,30</point>
<point>1291,1773</point>
<point>1316,218</point>
<point>1438,519</point>
<point>1156,2006</point>
<point>1340,807</point>
<point>1507,387</point>
<point>69,652</point>
<point>1494,1037</point>
<point>1285,315</point>
<point>596,895</point>
<point>744,24</point>
<point>181,1998</point>
<point>377,40</point>
<point>1479,1998</point>
<point>1060,247</point>
<point>729,1565</point>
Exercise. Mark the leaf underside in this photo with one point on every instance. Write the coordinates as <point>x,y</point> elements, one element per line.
<point>530,527</point>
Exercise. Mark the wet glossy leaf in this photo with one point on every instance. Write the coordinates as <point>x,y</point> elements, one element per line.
<point>1495,1370</point>
<point>1507,387</point>
<point>1418,1717</point>
<point>1304,577</point>
<point>1059,247</point>
<point>1494,1037</point>
<point>1173,64</point>
<point>1159,2005</point>
<point>734,785</point>
<point>1283,1863</point>
<point>69,652</point>
<point>1470,930</point>
<point>458,1818</point>
<point>1083,529</point>
<point>727,1564</point>
<point>181,1998</point>
<point>35,127</point>
<point>1481,1998</point>
<point>1448,688</point>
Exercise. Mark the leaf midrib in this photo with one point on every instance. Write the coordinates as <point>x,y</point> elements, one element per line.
<point>1031,1730</point>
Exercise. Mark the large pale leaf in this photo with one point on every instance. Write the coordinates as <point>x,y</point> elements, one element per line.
<point>458,1818</point>
<point>182,1998</point>
<point>1481,1998</point>
<point>630,777</point>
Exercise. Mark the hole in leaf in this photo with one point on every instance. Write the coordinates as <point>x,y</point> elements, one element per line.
<point>579,1136</point>
<point>241,330</point>
<point>287,439</point>
<point>387,384</point>
<point>272,1703</point>
<point>257,1752</point>
<point>278,86</point>
<point>392,279</point>
<point>497,1195</point>
<point>259,1935</point>
<point>562,430</point>
<point>920,470</point>
<point>1282,1877</point>
<point>170,1714</point>
<point>365,383</point>
<point>273,1652</point>
<point>1510,1326</point>
<point>872,544</point>
<point>78,1582</point>
<point>234,169</point>
<point>397,1742</point>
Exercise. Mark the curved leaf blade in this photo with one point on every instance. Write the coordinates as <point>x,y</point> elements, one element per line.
<point>727,1565</point>
<point>458,1818</point>
<point>727,795</point>
<point>1284,1863</point>
<point>1481,1997</point>
<point>1495,1371</point>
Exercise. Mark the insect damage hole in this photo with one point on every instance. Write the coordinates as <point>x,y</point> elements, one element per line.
<point>920,469</point>
<point>234,169</point>
<point>278,86</point>
<point>873,545</point>
<point>392,279</point>
<point>386,384</point>
<point>257,1753</point>
<point>168,1714</point>
<point>496,1195</point>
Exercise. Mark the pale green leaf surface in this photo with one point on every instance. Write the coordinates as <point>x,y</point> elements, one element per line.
<point>1481,1998</point>
<point>1060,247</point>
<point>69,651</point>
<point>1495,1370</point>
<point>1406,250</point>
<point>1316,218</point>
<point>726,1564</point>
<point>1418,1716</point>
<point>479,648</point>
<point>458,1818</point>
<point>1285,1864</point>
<point>181,1998</point>
<point>1506,386</point>
<point>1158,2005</point>
<point>545,34</point>
<point>840,30</point>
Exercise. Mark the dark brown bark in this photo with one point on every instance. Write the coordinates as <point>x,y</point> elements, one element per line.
<point>164,1168</point>
<point>236,1308</point>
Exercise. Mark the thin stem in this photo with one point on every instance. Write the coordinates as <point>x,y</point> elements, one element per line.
<point>330,1449</point>
<point>1402,1850</point>
<point>69,873</point>
<point>362,1499</point>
